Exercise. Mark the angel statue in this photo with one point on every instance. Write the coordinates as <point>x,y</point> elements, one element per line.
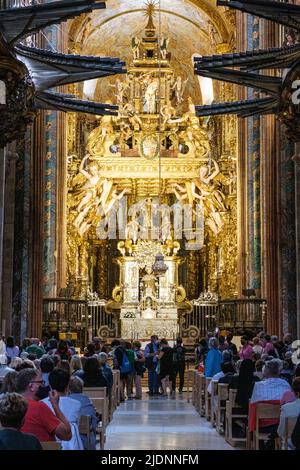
<point>135,46</point>
<point>120,87</point>
<point>179,87</point>
<point>164,48</point>
<point>207,177</point>
<point>133,115</point>
<point>168,112</point>
<point>89,189</point>
<point>86,194</point>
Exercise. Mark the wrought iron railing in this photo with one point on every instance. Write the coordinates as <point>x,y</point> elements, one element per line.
<point>90,318</point>
<point>235,315</point>
<point>241,314</point>
<point>85,318</point>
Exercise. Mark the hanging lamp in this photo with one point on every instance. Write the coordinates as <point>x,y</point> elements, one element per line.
<point>159,267</point>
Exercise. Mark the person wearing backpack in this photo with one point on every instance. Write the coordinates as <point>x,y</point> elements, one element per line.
<point>151,353</point>
<point>178,365</point>
<point>122,362</point>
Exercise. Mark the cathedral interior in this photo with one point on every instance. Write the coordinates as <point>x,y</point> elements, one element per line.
<point>149,167</point>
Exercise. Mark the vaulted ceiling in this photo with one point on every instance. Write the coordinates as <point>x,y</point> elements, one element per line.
<point>185,22</point>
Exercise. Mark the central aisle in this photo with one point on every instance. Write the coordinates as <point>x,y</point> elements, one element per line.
<point>161,424</point>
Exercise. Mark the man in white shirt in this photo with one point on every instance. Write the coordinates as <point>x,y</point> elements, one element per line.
<point>272,387</point>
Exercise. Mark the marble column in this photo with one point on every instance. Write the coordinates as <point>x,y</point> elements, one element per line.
<point>8,218</point>
<point>35,297</point>
<point>21,236</point>
<point>254,163</point>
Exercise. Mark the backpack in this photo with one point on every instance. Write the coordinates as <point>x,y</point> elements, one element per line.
<point>126,367</point>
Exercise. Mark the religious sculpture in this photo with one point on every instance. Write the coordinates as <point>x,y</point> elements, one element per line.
<point>133,115</point>
<point>121,88</point>
<point>213,34</point>
<point>164,48</point>
<point>193,178</point>
<point>99,136</point>
<point>179,87</point>
<point>149,284</point>
<point>150,94</point>
<point>135,46</point>
<point>168,112</point>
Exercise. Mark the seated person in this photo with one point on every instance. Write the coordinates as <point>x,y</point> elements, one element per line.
<point>13,408</point>
<point>271,389</point>
<point>87,409</point>
<point>59,382</point>
<point>228,371</point>
<point>39,419</point>
<point>244,384</point>
<point>295,438</point>
<point>92,375</point>
<point>290,410</point>
<point>106,370</point>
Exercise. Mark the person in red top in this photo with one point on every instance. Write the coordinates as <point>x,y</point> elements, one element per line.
<point>39,419</point>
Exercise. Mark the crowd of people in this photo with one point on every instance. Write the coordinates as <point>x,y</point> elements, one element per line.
<point>42,382</point>
<point>264,370</point>
<point>42,385</point>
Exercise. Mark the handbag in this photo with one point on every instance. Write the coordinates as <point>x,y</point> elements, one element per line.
<point>157,368</point>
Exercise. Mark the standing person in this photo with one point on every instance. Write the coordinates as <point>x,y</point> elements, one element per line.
<point>179,352</point>
<point>151,353</point>
<point>201,352</point>
<point>139,369</point>
<point>13,408</point>
<point>121,361</point>
<point>246,350</point>
<point>165,358</point>
<point>99,345</point>
<point>230,346</point>
<point>214,358</point>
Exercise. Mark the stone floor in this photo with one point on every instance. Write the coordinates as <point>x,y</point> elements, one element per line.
<point>161,424</point>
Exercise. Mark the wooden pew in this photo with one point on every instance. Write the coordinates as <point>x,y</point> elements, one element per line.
<point>233,411</point>
<point>101,406</point>
<point>213,402</point>
<point>51,445</point>
<point>207,399</point>
<point>222,396</point>
<point>264,411</point>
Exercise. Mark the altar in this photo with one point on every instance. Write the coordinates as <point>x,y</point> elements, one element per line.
<point>148,301</point>
<point>142,328</point>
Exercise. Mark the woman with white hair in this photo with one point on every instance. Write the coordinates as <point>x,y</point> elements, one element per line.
<point>214,358</point>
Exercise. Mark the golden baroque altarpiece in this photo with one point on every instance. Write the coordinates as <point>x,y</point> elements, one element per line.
<point>155,151</point>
